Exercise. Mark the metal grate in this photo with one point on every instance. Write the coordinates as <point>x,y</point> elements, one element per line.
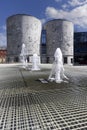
<point>48,110</point>
<point>25,108</point>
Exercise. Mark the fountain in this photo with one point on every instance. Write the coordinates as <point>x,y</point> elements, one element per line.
<point>23,56</point>
<point>35,62</point>
<point>57,72</point>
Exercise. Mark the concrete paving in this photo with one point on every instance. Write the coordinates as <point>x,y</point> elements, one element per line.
<point>28,104</point>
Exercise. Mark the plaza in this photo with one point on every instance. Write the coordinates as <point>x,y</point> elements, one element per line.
<point>28,104</point>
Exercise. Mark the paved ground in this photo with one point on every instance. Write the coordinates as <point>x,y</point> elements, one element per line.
<point>28,104</point>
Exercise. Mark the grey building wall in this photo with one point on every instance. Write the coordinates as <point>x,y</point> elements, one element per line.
<point>21,29</point>
<point>59,33</point>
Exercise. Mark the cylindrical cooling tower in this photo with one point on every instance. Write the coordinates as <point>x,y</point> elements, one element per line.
<point>23,29</point>
<point>59,33</point>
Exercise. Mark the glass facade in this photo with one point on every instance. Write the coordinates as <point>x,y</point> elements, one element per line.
<point>80,47</point>
<point>43,42</point>
<point>43,38</point>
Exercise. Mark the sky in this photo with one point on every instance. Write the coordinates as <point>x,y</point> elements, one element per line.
<point>45,10</point>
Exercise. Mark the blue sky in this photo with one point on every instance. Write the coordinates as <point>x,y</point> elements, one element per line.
<point>73,10</point>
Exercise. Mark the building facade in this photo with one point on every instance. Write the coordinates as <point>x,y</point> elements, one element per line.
<point>26,29</point>
<point>80,48</point>
<point>23,29</point>
<point>58,33</point>
<point>43,46</point>
<point>3,54</point>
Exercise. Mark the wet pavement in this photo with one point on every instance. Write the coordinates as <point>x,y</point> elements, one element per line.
<point>28,104</point>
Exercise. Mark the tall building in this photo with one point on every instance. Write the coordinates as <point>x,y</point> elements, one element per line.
<point>26,29</point>
<point>58,33</point>
<point>23,29</point>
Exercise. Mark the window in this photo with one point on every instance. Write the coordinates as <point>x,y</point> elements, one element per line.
<point>16,59</point>
<point>71,60</point>
<point>43,38</point>
<point>65,60</point>
<point>47,59</point>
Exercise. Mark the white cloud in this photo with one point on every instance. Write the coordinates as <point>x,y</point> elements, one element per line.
<point>77,15</point>
<point>51,12</point>
<point>43,21</point>
<point>3,28</point>
<point>77,2</point>
<point>3,35</point>
<point>73,4</point>
<point>65,6</point>
<point>2,39</point>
